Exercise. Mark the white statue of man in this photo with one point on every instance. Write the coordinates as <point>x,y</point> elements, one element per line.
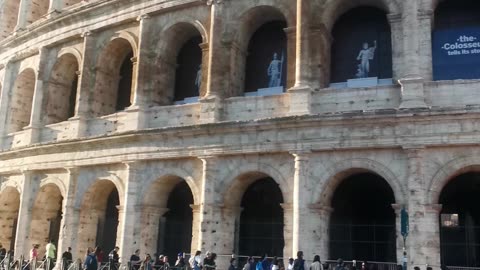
<point>365,55</point>
<point>274,71</point>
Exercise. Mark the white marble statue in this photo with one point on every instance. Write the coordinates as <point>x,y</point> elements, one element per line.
<point>274,71</point>
<point>365,55</point>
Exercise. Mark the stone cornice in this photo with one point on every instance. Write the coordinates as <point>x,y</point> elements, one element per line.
<point>83,18</point>
<point>194,141</point>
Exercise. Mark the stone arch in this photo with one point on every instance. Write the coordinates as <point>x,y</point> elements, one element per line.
<point>9,17</point>
<point>96,210</point>
<point>245,175</point>
<point>46,215</point>
<point>447,172</point>
<point>37,9</point>
<point>249,23</point>
<point>112,178</point>
<point>56,182</point>
<point>333,9</point>
<point>343,169</point>
<point>159,214</point>
<point>9,207</point>
<point>174,37</point>
<point>166,183</point>
<point>110,91</point>
<point>72,51</point>
<point>21,100</point>
<point>62,89</point>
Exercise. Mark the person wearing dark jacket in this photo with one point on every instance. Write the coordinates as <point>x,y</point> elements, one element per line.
<point>91,262</point>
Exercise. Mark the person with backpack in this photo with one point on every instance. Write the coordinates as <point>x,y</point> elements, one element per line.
<point>265,263</point>
<point>196,261</point>
<point>90,261</point>
<point>275,265</point>
<point>299,263</point>
<point>259,265</point>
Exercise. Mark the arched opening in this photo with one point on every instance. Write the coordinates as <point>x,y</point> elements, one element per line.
<point>460,221</point>
<point>21,101</point>
<point>46,217</point>
<point>168,217</point>
<point>361,49</point>
<point>9,206</point>
<point>178,221</point>
<point>188,76</point>
<point>179,65</point>
<point>261,220</point>
<point>99,217</point>
<point>266,66</point>
<point>9,17</point>
<point>456,35</point>
<point>62,90</point>
<point>113,82</point>
<point>37,9</point>
<point>362,227</point>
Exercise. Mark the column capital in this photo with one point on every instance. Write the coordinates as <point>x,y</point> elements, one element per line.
<point>394,17</point>
<point>397,207</point>
<point>425,14</point>
<point>433,208</point>
<point>301,155</point>
<point>143,17</point>
<point>287,206</point>
<point>208,158</point>
<point>87,34</point>
<point>215,2</point>
<point>320,208</point>
<point>153,209</point>
<point>413,151</point>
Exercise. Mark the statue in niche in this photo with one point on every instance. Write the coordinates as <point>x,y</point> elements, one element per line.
<point>275,70</point>
<point>365,55</point>
<point>198,79</point>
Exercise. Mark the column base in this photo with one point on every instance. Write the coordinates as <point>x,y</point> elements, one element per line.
<point>413,95</point>
<point>300,100</point>
<point>211,109</point>
<point>79,126</point>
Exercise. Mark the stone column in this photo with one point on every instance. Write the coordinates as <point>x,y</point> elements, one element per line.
<point>287,230</point>
<point>86,81</point>
<point>29,189</point>
<point>55,7</point>
<point>291,33</point>
<point>218,66</point>
<point>196,227</point>
<point>301,93</point>
<point>320,56</point>
<point>11,70</point>
<point>149,231</point>
<point>22,15</point>
<point>143,76</point>
<point>70,216</point>
<point>35,126</point>
<point>128,231</point>
<point>396,29</point>
<point>306,219</point>
<point>425,21</point>
<point>398,232</point>
<point>217,222</point>
<point>411,80</point>
<point>423,242</point>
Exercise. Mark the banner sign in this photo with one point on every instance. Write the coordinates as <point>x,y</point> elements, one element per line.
<point>456,54</point>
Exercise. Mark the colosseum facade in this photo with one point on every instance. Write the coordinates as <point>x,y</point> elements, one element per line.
<point>242,127</point>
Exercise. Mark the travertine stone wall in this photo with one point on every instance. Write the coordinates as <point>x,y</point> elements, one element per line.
<point>416,134</point>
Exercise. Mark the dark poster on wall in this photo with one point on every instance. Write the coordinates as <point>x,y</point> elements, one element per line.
<point>361,46</point>
<point>266,65</point>
<point>188,76</point>
<point>456,54</point>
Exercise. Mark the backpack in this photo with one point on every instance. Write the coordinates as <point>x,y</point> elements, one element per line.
<point>298,265</point>
<point>259,266</point>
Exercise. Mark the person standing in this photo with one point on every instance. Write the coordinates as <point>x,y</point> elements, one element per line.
<point>67,258</point>
<point>209,261</point>
<point>232,264</point>
<point>275,265</point>
<point>113,258</point>
<point>196,261</point>
<point>317,264</point>
<point>3,252</point>
<point>50,251</point>
<point>340,265</point>
<point>34,256</point>
<point>180,263</point>
<point>135,260</point>
<point>91,262</point>
<point>299,263</point>
<point>99,254</point>
<point>248,265</point>
<point>290,264</point>
<point>146,264</point>
<point>166,264</point>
